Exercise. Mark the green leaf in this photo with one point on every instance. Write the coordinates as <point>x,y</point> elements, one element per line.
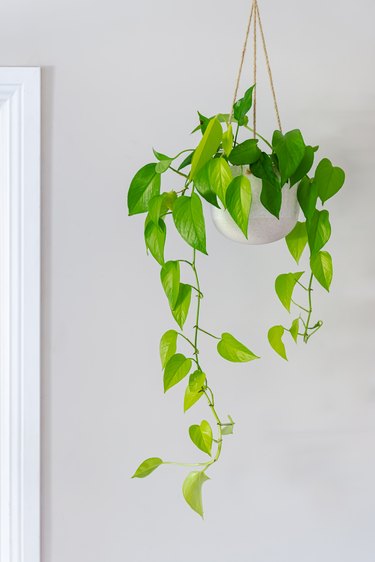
<point>155,235</point>
<point>194,390</point>
<point>296,240</point>
<point>245,153</point>
<point>163,165</point>
<point>207,147</point>
<point>203,184</point>
<point>189,221</point>
<point>156,207</point>
<point>220,176</point>
<point>170,279</point>
<point>238,202</point>
<point>186,161</point>
<point>304,167</point>
<point>175,370</point>
<point>328,179</point>
<point>144,186</point>
<point>318,231</point>
<point>294,329</point>
<point>233,350</point>
<point>243,106</point>
<point>284,287</point>
<point>290,150</point>
<point>275,335</point>
<point>201,436</point>
<point>270,196</point>
<point>322,268</point>
<point>181,309</point>
<point>307,195</point>
<point>148,466</point>
<point>160,156</point>
<point>168,346</point>
<point>192,490</point>
<point>227,140</point>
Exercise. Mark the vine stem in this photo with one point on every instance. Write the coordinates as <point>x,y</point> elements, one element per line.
<point>206,390</point>
<point>309,312</point>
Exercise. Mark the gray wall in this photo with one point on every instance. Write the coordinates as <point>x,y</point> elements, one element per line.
<point>296,482</point>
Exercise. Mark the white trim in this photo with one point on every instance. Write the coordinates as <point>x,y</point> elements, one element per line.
<point>19,315</point>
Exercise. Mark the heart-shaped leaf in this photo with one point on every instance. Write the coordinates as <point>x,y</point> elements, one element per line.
<point>155,235</point>
<point>192,490</point>
<point>294,329</point>
<point>189,221</point>
<point>243,106</point>
<point>296,240</point>
<point>207,147</point>
<point>144,186</point>
<point>322,268</point>
<point>318,231</point>
<point>148,466</point>
<point>304,167</point>
<point>194,390</point>
<point>181,308</point>
<point>275,335</point>
<point>238,202</point>
<point>233,350</point>
<point>284,286</point>
<point>170,279</point>
<point>245,153</point>
<point>307,195</point>
<point>328,179</point>
<point>290,150</point>
<point>175,370</point>
<point>220,176</point>
<point>168,345</point>
<point>201,436</point>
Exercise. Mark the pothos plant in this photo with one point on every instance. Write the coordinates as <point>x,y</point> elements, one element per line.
<point>205,173</point>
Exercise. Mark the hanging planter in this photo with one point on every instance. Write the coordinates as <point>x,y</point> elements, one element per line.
<point>256,188</point>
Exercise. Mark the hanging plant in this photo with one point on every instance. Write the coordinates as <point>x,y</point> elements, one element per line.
<point>256,188</point>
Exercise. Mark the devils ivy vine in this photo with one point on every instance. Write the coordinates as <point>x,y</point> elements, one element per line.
<point>204,173</point>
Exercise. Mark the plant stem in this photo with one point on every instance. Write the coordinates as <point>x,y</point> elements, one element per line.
<point>208,333</point>
<point>187,339</point>
<point>309,311</point>
<point>178,172</point>
<point>299,306</point>
<point>236,135</point>
<point>260,136</point>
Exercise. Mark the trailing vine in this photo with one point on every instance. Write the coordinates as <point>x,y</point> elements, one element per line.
<point>211,179</point>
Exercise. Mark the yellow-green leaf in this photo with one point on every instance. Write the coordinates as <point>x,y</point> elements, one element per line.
<point>175,370</point>
<point>294,329</point>
<point>192,490</point>
<point>201,436</point>
<point>275,335</point>
<point>233,350</point>
<point>148,466</point>
<point>207,147</point>
<point>322,268</point>
<point>182,306</point>
<point>168,346</point>
<point>328,179</point>
<point>170,279</point>
<point>296,240</point>
<point>238,202</point>
<point>284,287</point>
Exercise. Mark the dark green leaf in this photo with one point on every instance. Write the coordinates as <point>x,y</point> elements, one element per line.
<point>275,335</point>
<point>170,279</point>
<point>181,309</point>
<point>186,161</point>
<point>238,202</point>
<point>307,195</point>
<point>155,235</point>
<point>207,147</point>
<point>220,176</point>
<point>168,346</point>
<point>290,150</point>
<point>296,240</point>
<point>271,198</point>
<point>144,186</point>
<point>233,350</point>
<point>245,153</point>
<point>189,220</point>
<point>318,231</point>
<point>304,167</point>
<point>201,436</point>
<point>203,184</point>
<point>243,106</point>
<point>284,287</point>
<point>147,467</point>
<point>192,490</point>
<point>328,179</point>
<point>294,329</point>
<point>175,370</point>
<point>321,266</point>
<point>263,168</point>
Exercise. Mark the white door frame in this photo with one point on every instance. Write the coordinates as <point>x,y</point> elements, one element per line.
<point>19,314</point>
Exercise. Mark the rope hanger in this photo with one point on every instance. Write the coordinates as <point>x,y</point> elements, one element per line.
<point>254,14</point>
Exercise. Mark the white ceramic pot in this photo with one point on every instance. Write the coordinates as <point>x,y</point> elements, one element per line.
<point>263,227</point>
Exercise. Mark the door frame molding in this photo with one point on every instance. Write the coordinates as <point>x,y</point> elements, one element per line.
<point>20,314</point>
